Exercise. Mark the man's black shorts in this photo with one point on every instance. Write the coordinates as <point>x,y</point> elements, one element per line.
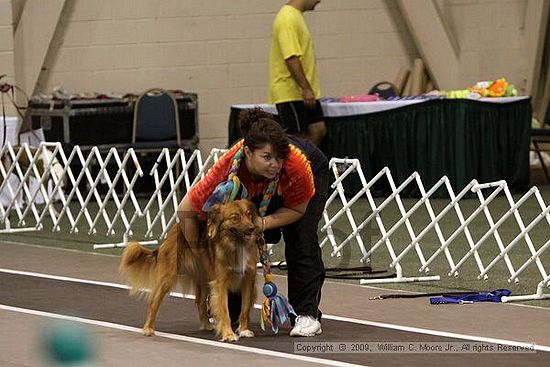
<point>295,116</point>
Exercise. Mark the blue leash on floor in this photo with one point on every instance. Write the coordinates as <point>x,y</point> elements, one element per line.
<point>493,296</point>
<point>452,297</point>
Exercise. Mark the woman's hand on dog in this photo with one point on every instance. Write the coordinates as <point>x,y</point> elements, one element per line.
<point>260,223</point>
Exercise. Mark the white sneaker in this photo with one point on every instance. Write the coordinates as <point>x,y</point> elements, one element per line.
<point>306,326</point>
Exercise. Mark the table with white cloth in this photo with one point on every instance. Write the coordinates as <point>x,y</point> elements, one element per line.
<point>485,139</point>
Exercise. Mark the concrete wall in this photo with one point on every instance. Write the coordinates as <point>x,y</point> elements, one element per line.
<point>490,35</point>
<point>219,49</point>
<point>6,50</point>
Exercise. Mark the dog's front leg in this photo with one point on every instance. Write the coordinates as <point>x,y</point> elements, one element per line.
<point>220,311</point>
<point>248,293</point>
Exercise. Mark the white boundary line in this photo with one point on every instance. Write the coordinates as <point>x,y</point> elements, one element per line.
<point>63,278</point>
<point>15,243</point>
<point>83,281</point>
<point>411,329</point>
<point>445,334</point>
<point>212,343</point>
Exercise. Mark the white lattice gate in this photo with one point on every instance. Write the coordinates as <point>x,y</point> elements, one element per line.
<point>95,191</point>
<point>454,251</point>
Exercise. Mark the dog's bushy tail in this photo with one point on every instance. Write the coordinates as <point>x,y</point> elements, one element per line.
<point>137,266</point>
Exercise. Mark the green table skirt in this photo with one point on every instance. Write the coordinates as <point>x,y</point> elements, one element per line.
<point>462,139</point>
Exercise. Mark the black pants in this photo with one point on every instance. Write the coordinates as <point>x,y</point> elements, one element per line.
<point>295,117</point>
<point>306,271</point>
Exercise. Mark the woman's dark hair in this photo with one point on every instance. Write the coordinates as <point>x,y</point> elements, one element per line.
<point>259,128</point>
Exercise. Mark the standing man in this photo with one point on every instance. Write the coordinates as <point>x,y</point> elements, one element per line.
<point>293,82</point>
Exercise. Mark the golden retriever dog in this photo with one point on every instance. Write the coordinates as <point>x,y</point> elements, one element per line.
<point>225,261</point>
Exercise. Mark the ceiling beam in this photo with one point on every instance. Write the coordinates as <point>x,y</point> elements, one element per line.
<point>434,40</point>
<point>32,39</point>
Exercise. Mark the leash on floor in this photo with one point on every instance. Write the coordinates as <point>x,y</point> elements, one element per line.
<point>459,298</point>
<point>352,273</point>
<point>420,295</point>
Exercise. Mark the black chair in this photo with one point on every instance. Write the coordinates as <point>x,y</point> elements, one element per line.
<point>156,121</point>
<point>156,126</point>
<point>385,90</point>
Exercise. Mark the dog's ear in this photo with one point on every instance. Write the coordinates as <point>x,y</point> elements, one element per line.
<point>214,220</point>
<point>255,214</point>
<point>253,210</point>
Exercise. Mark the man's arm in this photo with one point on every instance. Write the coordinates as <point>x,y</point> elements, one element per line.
<point>297,71</point>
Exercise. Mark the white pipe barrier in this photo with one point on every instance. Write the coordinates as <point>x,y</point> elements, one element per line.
<point>95,191</point>
<point>457,248</point>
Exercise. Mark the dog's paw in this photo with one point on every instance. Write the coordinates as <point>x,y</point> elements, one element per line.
<point>229,337</point>
<point>246,333</point>
<point>147,331</point>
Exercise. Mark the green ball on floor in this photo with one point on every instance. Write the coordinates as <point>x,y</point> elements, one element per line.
<point>68,343</point>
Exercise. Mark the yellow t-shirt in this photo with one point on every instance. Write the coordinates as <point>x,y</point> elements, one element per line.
<point>290,37</point>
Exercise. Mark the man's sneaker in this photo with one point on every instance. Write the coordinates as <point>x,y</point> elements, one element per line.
<point>306,326</point>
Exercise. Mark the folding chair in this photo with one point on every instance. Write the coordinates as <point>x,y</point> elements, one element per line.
<point>156,122</point>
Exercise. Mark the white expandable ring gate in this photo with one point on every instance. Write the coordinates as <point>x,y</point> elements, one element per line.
<point>39,184</point>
